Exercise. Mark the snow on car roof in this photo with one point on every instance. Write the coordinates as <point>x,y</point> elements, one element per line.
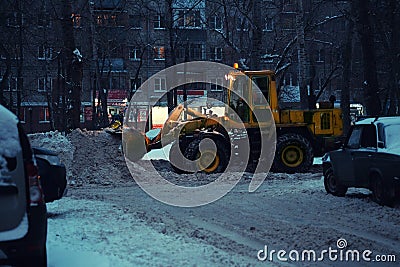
<point>384,120</point>
<point>9,138</point>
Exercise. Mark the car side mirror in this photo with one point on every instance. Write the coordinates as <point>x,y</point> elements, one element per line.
<point>381,144</point>
<point>339,144</point>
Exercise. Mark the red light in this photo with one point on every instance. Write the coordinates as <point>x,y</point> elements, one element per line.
<point>35,190</point>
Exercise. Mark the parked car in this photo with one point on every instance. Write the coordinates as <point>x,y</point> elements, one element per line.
<point>23,223</point>
<point>52,174</point>
<point>369,158</point>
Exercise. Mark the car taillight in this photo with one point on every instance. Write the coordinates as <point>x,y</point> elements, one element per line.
<point>35,190</point>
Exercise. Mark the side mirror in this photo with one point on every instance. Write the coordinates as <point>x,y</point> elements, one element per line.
<point>339,144</point>
<point>381,144</point>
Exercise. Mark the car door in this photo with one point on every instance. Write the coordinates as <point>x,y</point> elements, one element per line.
<point>362,157</point>
<point>13,197</point>
<point>343,158</point>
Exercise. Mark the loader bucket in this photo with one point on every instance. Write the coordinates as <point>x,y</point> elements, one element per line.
<point>134,144</point>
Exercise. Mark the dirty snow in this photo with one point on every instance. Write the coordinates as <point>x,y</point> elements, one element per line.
<point>107,220</point>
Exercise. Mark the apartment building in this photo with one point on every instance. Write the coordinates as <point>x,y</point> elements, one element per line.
<point>122,43</point>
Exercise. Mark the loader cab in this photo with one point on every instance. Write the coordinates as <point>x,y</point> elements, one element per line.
<point>242,86</point>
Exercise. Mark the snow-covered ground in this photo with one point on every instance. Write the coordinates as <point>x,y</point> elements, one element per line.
<point>107,220</point>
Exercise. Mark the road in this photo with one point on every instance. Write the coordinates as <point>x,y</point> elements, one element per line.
<point>288,212</point>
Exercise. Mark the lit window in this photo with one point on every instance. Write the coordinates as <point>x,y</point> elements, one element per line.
<point>159,53</point>
<point>77,20</point>
<point>159,22</point>
<point>106,20</point>
<point>134,53</point>
<point>160,85</point>
<point>188,18</point>
<point>44,115</point>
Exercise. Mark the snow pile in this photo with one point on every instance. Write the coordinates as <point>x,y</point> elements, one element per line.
<point>97,158</point>
<point>57,143</point>
<point>9,138</point>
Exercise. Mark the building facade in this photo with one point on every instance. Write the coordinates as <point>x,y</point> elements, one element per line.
<point>123,42</point>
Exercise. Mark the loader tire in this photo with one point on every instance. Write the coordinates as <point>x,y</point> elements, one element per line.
<point>294,153</point>
<point>220,161</point>
<point>173,155</point>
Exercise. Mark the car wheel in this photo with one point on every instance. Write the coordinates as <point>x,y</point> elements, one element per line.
<point>219,161</point>
<point>332,185</point>
<point>380,193</point>
<point>294,153</point>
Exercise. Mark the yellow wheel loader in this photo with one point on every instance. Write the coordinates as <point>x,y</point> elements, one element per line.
<point>300,134</point>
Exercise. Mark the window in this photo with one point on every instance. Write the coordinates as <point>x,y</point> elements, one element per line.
<point>160,85</point>
<point>44,115</point>
<point>269,24</point>
<point>135,84</point>
<point>216,53</point>
<point>368,137</point>
<point>236,101</point>
<point>13,84</point>
<point>288,23</point>
<point>216,23</point>
<point>321,55</point>
<point>289,6</point>
<point>106,20</point>
<point>118,82</point>
<point>82,115</point>
<point>134,53</point>
<point>354,139</point>
<point>261,96</point>
<point>44,52</point>
<point>159,22</point>
<point>196,51</point>
<point>43,20</point>
<point>135,22</point>
<point>216,84</point>
<point>22,115</point>
<point>15,19</point>
<point>188,18</point>
<point>159,53</point>
<point>242,24</point>
<point>44,85</point>
<point>325,121</point>
<point>77,20</point>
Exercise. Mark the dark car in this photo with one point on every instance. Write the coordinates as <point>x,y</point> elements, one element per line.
<point>369,158</point>
<point>52,174</point>
<point>23,217</point>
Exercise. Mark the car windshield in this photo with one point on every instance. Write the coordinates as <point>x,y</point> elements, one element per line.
<point>392,136</point>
